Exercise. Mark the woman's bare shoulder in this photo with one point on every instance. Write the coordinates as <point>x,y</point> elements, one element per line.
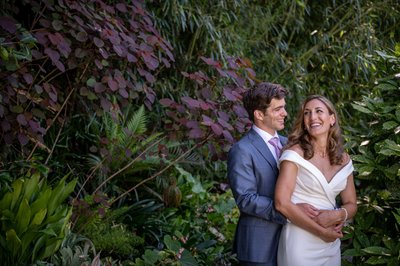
<point>296,148</point>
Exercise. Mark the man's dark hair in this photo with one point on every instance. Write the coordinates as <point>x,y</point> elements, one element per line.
<point>260,96</point>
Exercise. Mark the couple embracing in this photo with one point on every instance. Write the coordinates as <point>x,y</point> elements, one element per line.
<point>289,214</point>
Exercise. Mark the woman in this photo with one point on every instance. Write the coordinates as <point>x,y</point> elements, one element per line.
<point>314,169</point>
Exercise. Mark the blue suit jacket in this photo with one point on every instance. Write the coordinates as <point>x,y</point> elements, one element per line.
<point>252,174</point>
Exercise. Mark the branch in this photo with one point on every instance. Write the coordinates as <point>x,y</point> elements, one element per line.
<point>128,165</point>
<point>52,121</point>
<point>162,170</point>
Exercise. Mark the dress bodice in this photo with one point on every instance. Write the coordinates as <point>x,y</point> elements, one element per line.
<point>311,185</point>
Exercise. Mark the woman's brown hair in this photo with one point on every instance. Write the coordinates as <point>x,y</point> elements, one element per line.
<point>300,136</point>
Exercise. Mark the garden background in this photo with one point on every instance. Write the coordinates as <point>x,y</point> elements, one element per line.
<point>116,119</point>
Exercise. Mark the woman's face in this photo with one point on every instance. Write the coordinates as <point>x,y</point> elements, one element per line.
<point>317,119</point>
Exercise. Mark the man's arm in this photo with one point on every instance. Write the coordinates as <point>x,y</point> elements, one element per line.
<point>242,179</point>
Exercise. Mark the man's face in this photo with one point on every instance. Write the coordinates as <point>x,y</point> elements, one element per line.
<point>273,118</point>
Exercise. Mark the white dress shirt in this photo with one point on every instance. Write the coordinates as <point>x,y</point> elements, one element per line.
<point>266,137</point>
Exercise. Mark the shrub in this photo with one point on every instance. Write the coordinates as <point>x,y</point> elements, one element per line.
<point>376,141</point>
<point>34,219</point>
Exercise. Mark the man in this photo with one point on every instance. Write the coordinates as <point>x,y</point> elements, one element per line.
<point>252,174</point>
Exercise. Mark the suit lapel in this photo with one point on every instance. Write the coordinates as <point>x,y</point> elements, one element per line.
<point>262,147</point>
<point>283,140</point>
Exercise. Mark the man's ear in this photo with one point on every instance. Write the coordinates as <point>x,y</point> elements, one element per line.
<point>258,115</point>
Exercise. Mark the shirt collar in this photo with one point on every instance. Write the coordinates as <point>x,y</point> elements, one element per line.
<point>264,134</point>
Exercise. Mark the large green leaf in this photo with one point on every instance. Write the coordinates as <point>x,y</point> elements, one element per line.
<point>31,186</point>
<point>42,201</point>
<point>171,244</point>
<point>65,223</point>
<point>23,217</point>
<point>390,125</point>
<point>38,217</point>
<point>60,193</point>
<point>5,202</point>
<point>30,231</point>
<point>27,240</point>
<point>17,188</point>
<point>362,238</point>
<point>388,149</point>
<point>187,259</point>
<point>38,246</point>
<point>56,196</point>
<point>365,171</point>
<point>67,190</point>
<point>13,242</point>
<point>361,108</point>
<point>51,246</point>
<point>397,216</point>
<point>363,159</point>
<point>352,253</point>
<point>60,214</point>
<point>377,251</point>
<point>376,260</point>
<point>151,257</point>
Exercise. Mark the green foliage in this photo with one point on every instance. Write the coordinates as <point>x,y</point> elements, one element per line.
<point>124,148</point>
<point>207,220</point>
<point>173,254</point>
<point>198,232</point>
<point>75,251</point>
<point>34,219</point>
<point>60,62</point>
<point>124,136</point>
<point>310,47</point>
<point>114,240</point>
<point>108,235</point>
<point>376,137</point>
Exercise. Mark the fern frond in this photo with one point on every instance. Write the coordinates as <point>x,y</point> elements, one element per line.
<point>93,161</point>
<point>175,149</point>
<point>111,128</point>
<point>147,164</point>
<point>143,143</point>
<point>137,123</point>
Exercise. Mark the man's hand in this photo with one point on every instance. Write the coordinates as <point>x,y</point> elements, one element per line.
<point>328,219</point>
<point>310,210</point>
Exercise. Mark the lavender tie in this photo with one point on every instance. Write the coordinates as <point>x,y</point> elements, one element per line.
<point>274,142</point>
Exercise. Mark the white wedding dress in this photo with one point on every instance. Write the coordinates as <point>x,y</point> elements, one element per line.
<point>298,247</point>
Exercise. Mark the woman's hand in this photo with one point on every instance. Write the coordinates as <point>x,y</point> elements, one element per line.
<point>330,234</point>
<point>329,219</point>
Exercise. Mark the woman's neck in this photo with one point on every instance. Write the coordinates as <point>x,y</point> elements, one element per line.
<point>320,148</point>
